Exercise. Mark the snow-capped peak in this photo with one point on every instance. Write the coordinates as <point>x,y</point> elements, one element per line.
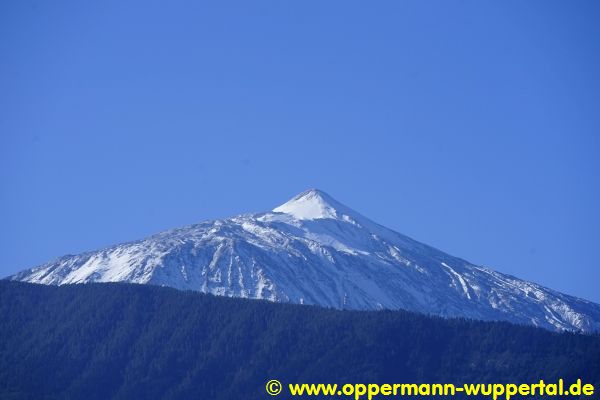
<point>313,204</point>
<point>315,250</point>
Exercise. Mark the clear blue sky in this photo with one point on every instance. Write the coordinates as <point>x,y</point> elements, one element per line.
<point>473,126</point>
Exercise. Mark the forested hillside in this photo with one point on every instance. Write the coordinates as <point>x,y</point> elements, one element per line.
<point>123,341</point>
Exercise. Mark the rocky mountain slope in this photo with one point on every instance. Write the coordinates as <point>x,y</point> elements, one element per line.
<point>315,250</point>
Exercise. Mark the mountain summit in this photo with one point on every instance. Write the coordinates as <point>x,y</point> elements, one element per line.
<point>313,204</point>
<point>315,250</point>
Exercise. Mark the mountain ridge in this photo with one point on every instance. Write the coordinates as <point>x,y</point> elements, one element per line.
<point>126,341</point>
<point>315,250</point>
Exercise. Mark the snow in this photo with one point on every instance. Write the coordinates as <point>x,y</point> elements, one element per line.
<point>461,280</point>
<point>315,250</point>
<point>309,205</point>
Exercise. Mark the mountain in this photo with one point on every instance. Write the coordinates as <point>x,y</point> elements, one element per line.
<point>124,341</point>
<point>315,250</point>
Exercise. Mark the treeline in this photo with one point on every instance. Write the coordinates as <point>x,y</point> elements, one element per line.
<point>122,341</point>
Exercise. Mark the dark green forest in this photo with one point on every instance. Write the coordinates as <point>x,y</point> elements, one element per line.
<point>123,341</point>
